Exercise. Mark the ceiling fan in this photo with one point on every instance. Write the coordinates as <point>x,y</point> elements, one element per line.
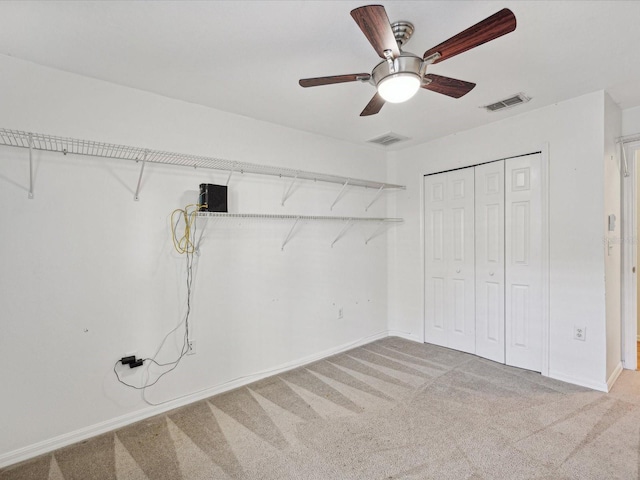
<point>401,74</point>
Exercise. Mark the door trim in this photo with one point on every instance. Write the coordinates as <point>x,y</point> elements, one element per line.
<point>629,300</point>
<point>543,150</point>
<point>546,239</point>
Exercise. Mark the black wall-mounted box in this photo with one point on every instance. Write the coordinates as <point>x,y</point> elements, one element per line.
<point>214,197</point>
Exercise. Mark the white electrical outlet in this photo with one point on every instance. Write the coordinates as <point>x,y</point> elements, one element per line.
<point>192,347</point>
<point>340,313</point>
<point>579,333</point>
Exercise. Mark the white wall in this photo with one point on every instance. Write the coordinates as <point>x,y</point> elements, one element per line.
<point>89,275</point>
<point>631,121</point>
<point>612,206</point>
<point>574,132</point>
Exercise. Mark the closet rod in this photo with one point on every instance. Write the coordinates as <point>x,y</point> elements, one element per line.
<point>635,137</point>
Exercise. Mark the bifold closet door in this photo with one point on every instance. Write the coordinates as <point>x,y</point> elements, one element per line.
<point>490,273</point>
<point>449,260</point>
<point>523,258</point>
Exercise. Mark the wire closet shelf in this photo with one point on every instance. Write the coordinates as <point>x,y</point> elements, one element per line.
<point>65,145</point>
<point>348,222</point>
<point>298,217</point>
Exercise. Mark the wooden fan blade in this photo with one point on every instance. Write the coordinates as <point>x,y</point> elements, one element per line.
<point>495,26</point>
<point>448,86</point>
<point>374,23</point>
<point>374,106</point>
<point>352,77</point>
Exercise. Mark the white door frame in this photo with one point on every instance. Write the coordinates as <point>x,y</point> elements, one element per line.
<point>629,311</point>
<point>544,181</point>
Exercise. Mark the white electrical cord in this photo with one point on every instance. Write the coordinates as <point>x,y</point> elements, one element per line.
<point>186,246</point>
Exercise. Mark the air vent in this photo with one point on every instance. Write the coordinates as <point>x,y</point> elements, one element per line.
<point>388,139</point>
<point>507,102</point>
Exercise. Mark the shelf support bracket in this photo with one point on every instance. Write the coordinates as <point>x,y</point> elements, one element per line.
<point>286,240</point>
<point>343,231</point>
<point>287,194</point>
<point>231,173</point>
<point>340,193</point>
<point>30,166</point>
<point>377,196</point>
<point>376,232</point>
<point>136,197</point>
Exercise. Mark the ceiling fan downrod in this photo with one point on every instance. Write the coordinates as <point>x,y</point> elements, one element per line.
<point>402,30</point>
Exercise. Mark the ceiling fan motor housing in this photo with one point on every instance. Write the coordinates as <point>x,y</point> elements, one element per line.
<point>406,63</point>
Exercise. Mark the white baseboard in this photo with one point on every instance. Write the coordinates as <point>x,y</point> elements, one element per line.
<point>614,376</point>
<point>406,335</point>
<point>60,441</point>
<point>583,382</point>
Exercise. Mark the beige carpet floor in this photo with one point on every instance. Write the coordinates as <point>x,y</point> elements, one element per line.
<point>392,409</point>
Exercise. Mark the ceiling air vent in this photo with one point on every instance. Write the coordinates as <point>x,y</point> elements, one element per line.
<point>388,139</point>
<point>507,102</point>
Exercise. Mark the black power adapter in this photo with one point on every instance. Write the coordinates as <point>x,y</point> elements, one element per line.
<point>131,361</point>
<point>137,363</point>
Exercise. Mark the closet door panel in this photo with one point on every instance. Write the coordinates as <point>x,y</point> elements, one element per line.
<point>438,308</point>
<point>483,281</point>
<point>523,328</point>
<point>436,284</point>
<point>461,268</point>
<point>489,244</point>
<point>449,260</point>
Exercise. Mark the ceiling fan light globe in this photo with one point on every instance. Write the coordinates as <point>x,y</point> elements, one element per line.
<point>399,87</point>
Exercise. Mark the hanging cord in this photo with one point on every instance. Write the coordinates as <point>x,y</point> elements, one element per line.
<point>185,245</point>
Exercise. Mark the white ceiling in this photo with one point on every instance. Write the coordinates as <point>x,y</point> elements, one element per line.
<point>246,57</point>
